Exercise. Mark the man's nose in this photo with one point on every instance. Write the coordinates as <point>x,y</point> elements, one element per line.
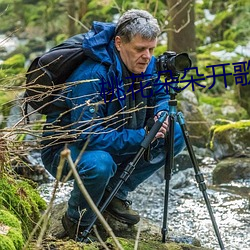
<point>146,54</point>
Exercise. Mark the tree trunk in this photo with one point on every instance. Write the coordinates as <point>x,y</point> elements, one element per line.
<point>83,7</point>
<point>181,34</point>
<point>72,13</point>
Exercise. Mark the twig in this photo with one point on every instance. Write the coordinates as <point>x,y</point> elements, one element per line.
<point>45,217</point>
<point>77,21</point>
<point>99,238</point>
<point>137,236</point>
<point>66,154</point>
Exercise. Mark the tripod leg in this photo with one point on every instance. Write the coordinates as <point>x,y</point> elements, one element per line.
<point>199,176</point>
<point>168,173</point>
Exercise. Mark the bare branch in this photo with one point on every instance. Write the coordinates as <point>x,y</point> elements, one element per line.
<point>66,154</point>
<point>77,21</point>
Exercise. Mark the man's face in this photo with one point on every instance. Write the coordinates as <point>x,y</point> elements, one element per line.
<point>137,53</point>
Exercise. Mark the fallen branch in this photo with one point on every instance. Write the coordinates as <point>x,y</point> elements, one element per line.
<point>65,154</point>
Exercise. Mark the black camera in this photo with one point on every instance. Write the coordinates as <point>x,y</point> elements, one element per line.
<point>175,62</point>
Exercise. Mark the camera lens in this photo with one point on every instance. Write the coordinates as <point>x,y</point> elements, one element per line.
<point>182,61</point>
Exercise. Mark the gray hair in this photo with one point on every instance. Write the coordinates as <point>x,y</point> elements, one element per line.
<point>137,22</point>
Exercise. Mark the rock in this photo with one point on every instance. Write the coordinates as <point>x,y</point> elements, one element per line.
<point>181,179</point>
<point>231,169</point>
<point>197,125</point>
<point>206,109</point>
<point>222,122</point>
<point>189,96</point>
<point>182,161</point>
<point>242,94</point>
<point>230,143</point>
<point>30,167</point>
<point>149,238</point>
<point>229,140</point>
<point>228,110</point>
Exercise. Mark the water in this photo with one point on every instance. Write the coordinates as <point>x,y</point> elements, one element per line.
<point>187,212</point>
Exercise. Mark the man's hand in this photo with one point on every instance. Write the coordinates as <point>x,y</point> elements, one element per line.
<point>164,128</point>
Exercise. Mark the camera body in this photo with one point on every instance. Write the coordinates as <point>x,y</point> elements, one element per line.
<point>176,63</point>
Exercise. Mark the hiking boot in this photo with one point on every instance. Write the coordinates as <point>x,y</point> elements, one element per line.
<point>75,231</point>
<point>121,211</point>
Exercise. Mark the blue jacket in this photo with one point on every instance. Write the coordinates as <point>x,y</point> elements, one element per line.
<point>92,115</point>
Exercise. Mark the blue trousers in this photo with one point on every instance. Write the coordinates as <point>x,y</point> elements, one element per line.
<point>100,170</point>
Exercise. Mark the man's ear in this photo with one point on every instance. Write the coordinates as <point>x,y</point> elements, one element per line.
<point>118,42</point>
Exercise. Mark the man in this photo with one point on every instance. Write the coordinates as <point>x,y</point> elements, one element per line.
<point>108,116</point>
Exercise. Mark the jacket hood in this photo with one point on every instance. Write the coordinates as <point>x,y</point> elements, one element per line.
<point>98,42</point>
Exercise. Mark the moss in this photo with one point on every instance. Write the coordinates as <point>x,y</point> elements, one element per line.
<point>229,45</point>
<point>65,245</point>
<point>13,239</point>
<point>221,133</point>
<point>221,101</point>
<point>92,246</point>
<point>241,125</point>
<point>212,100</point>
<point>222,121</point>
<point>16,237</point>
<point>6,243</point>
<point>13,71</point>
<point>128,244</point>
<point>22,200</point>
<point>16,61</point>
<point>9,219</point>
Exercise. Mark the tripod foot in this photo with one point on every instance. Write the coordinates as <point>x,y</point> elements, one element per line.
<point>164,232</point>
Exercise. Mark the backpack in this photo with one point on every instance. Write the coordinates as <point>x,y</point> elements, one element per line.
<point>47,74</point>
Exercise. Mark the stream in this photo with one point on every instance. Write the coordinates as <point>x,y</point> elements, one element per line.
<point>187,212</point>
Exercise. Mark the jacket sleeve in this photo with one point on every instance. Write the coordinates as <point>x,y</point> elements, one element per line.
<point>89,118</point>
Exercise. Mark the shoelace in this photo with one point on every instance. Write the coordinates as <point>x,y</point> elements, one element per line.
<point>127,203</point>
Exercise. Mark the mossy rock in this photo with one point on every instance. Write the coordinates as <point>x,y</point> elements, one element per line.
<point>11,237</point>
<point>232,139</point>
<point>150,236</point>
<point>219,104</point>
<point>128,244</point>
<point>21,199</point>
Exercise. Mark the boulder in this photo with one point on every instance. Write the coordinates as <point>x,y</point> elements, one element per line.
<point>230,139</point>
<point>231,169</point>
<point>150,235</point>
<point>197,125</point>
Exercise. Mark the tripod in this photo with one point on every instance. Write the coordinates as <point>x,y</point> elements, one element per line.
<point>129,169</point>
<point>173,90</point>
<point>168,165</point>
